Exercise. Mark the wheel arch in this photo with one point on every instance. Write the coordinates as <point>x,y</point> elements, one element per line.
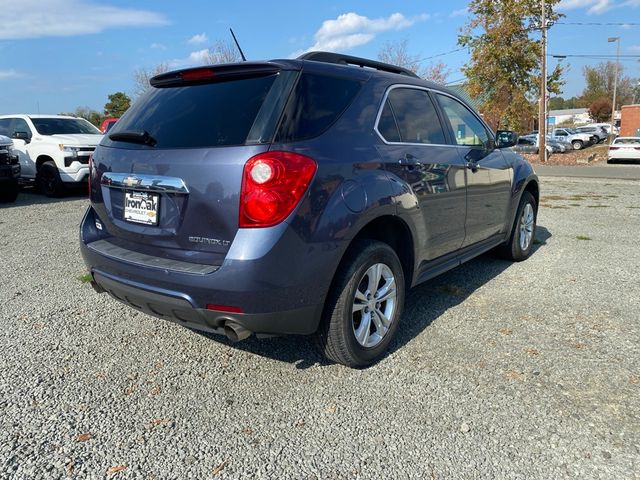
<point>41,159</point>
<point>393,231</point>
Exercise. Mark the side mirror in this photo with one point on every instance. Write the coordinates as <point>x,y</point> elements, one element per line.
<point>506,138</point>
<point>21,136</point>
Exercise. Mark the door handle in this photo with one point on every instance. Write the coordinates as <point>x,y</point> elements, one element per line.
<point>409,161</point>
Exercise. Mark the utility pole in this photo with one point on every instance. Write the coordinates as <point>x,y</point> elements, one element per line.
<point>615,83</point>
<point>542,112</point>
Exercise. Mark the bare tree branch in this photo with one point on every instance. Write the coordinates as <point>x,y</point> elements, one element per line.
<point>397,53</point>
<point>142,76</point>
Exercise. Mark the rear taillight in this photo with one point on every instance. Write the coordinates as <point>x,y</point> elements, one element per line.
<point>272,185</point>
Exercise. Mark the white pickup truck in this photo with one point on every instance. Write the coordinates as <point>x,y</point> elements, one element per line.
<point>53,150</point>
<point>569,135</point>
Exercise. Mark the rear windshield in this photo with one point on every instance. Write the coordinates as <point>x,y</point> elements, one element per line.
<point>317,102</point>
<point>63,126</point>
<point>198,116</point>
<point>627,141</point>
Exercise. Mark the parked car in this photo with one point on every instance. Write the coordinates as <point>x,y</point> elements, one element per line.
<point>530,144</point>
<point>107,124</point>
<point>298,197</point>
<point>596,131</point>
<point>53,150</point>
<point>9,171</point>
<point>625,149</point>
<point>577,140</point>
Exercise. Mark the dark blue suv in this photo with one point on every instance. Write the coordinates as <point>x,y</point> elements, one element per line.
<point>298,197</point>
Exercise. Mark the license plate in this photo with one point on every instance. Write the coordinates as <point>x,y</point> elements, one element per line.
<point>141,207</point>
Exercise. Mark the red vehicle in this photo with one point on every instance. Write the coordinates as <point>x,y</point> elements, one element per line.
<point>107,123</point>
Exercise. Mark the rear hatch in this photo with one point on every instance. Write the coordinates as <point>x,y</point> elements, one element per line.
<point>166,179</point>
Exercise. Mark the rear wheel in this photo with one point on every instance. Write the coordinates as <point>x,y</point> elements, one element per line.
<point>364,305</point>
<point>9,192</point>
<point>520,244</point>
<point>49,181</point>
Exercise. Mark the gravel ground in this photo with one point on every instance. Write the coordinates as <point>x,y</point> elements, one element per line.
<point>510,371</point>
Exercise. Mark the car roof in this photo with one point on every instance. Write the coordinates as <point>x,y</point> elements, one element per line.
<point>22,115</point>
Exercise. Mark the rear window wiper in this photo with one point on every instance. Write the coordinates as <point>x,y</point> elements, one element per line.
<point>142,137</point>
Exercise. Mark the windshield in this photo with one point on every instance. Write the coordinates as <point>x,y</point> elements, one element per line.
<point>571,130</point>
<point>63,126</point>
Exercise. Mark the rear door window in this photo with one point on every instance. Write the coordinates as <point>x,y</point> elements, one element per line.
<point>415,115</point>
<point>197,116</point>
<point>317,102</point>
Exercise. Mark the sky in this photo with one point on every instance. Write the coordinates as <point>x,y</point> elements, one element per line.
<point>56,55</point>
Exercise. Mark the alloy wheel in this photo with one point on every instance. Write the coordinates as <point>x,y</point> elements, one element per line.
<point>527,220</point>
<point>374,305</point>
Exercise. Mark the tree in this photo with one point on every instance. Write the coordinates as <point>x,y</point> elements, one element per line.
<point>142,76</point>
<point>505,68</point>
<point>599,84</point>
<point>87,113</point>
<point>118,103</point>
<point>397,53</point>
<point>221,52</point>
<point>600,110</point>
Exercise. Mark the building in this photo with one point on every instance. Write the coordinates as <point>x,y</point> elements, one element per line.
<point>630,121</point>
<point>569,116</point>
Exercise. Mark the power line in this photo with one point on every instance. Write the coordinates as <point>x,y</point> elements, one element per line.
<point>601,24</point>
<point>441,54</point>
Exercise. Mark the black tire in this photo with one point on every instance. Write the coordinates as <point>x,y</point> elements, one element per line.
<point>513,248</point>
<point>336,336</point>
<point>577,144</point>
<point>49,181</point>
<point>9,192</point>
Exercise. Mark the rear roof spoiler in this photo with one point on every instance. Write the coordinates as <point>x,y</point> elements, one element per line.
<point>340,59</point>
<point>212,73</point>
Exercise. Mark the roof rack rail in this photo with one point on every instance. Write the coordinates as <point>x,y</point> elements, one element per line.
<point>329,57</point>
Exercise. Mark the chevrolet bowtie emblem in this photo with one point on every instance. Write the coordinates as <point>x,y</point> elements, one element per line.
<point>131,181</point>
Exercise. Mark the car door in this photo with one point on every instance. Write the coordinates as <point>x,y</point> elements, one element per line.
<point>419,157</point>
<point>489,176</point>
<point>21,145</point>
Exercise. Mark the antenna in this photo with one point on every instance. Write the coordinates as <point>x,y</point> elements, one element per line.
<point>244,59</point>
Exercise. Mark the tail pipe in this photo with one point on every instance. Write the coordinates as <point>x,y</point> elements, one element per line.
<point>235,332</point>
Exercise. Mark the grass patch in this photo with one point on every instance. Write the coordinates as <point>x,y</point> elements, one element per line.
<point>85,278</point>
<point>575,204</point>
<point>559,206</point>
<point>583,237</point>
<point>633,207</point>
<point>598,206</point>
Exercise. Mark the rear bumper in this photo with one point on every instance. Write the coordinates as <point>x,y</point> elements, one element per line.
<point>178,307</point>
<point>278,282</point>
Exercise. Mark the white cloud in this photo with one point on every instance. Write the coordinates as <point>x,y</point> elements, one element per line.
<point>459,13</point>
<point>198,56</point>
<point>158,46</point>
<point>350,30</point>
<point>8,74</point>
<point>198,39</point>
<point>67,18</point>
<point>594,6</point>
<point>634,48</point>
